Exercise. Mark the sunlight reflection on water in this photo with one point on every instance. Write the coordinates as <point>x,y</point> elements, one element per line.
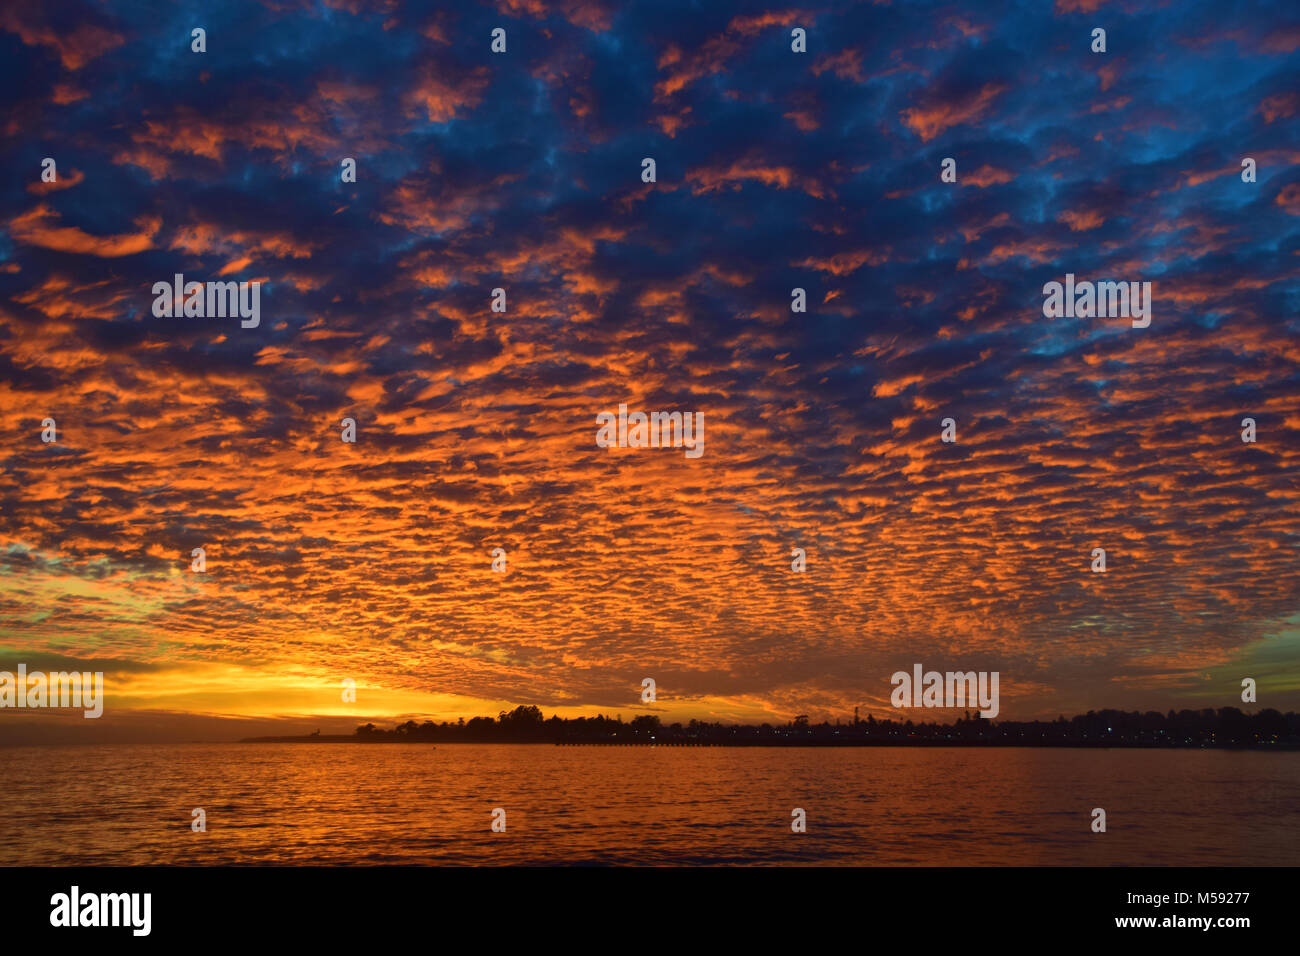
<point>412,804</point>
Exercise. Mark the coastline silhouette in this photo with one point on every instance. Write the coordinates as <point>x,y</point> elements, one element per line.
<point>1226,727</point>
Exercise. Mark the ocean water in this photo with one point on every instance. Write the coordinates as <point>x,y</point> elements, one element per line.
<point>412,804</point>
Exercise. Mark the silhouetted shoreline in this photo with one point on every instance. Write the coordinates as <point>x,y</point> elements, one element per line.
<point>330,739</point>
<point>1227,728</point>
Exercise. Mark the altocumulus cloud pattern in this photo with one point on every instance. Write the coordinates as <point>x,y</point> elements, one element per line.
<point>132,159</point>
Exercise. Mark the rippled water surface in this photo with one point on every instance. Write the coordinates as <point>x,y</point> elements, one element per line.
<point>412,804</point>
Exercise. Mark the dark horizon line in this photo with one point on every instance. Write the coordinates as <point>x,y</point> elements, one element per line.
<point>1228,726</point>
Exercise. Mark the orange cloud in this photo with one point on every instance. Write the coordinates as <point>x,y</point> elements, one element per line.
<point>39,228</point>
<point>987,176</point>
<point>847,65</point>
<point>1081,220</point>
<point>1288,198</point>
<point>1279,106</point>
<point>931,120</point>
<point>65,181</point>
<point>779,177</point>
<point>76,44</point>
<point>443,98</point>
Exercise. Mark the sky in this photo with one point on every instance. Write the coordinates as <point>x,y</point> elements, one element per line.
<point>371,561</point>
